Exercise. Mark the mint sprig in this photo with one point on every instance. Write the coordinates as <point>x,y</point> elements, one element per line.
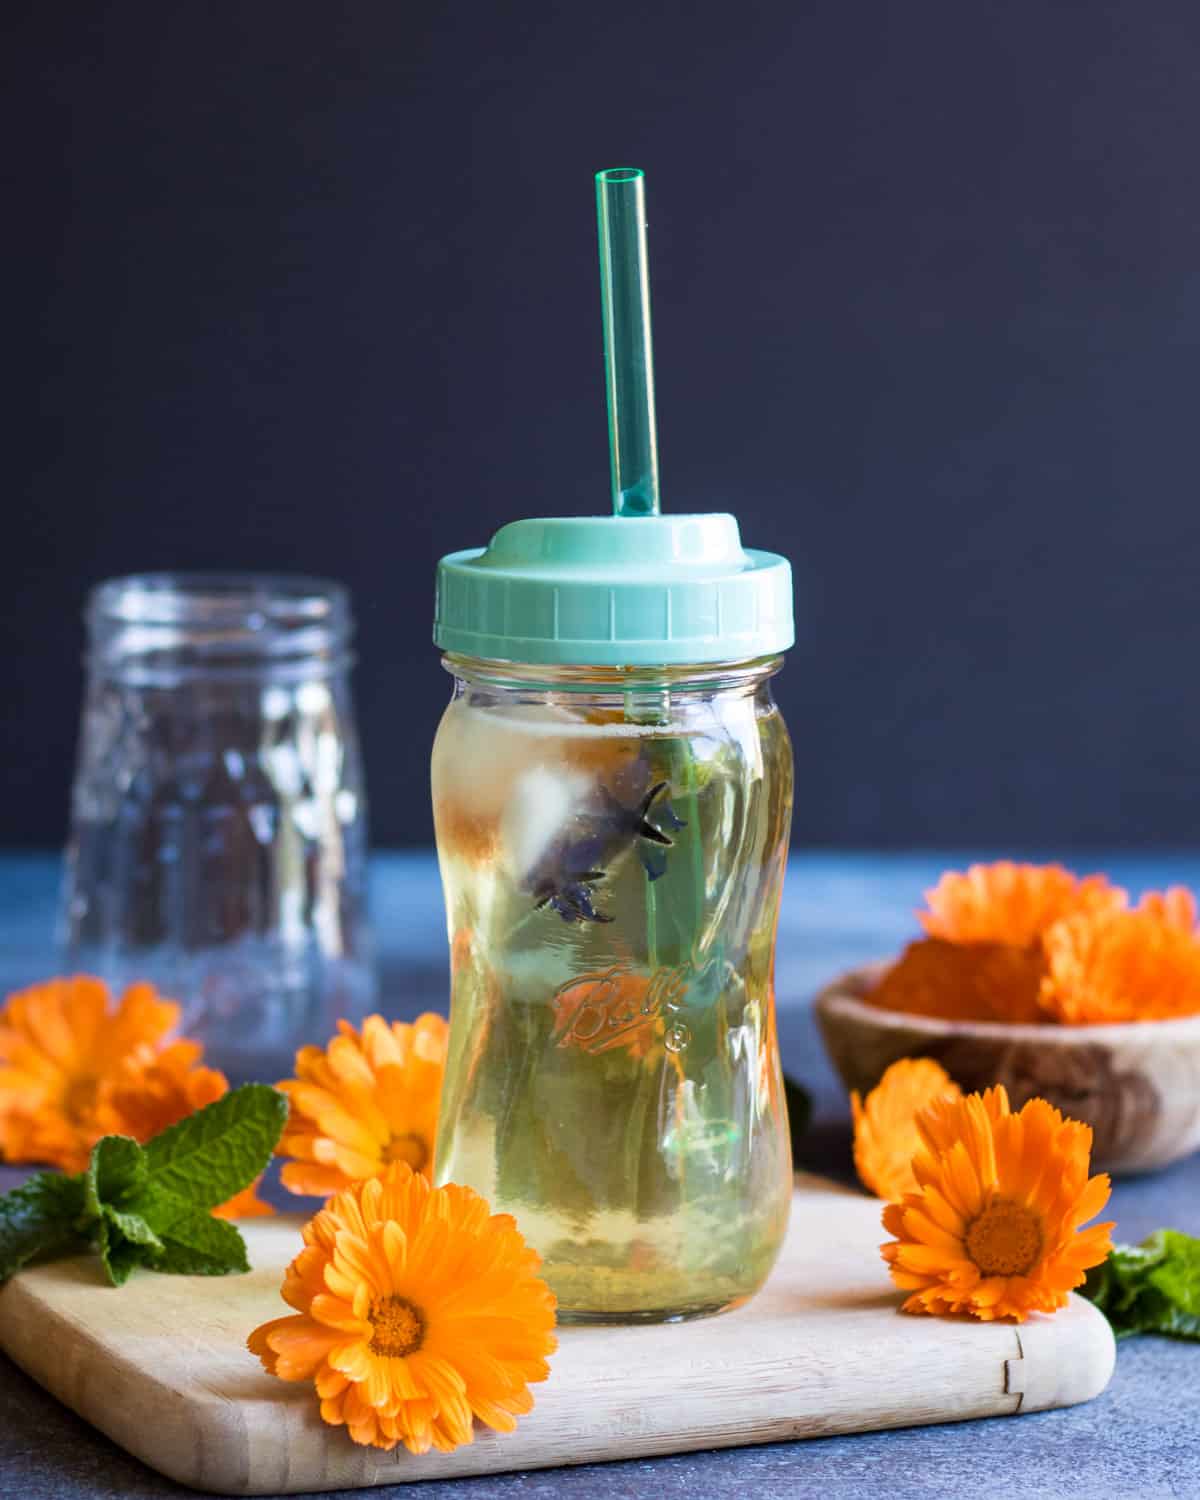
<point>151,1205</point>
<point>1153,1287</point>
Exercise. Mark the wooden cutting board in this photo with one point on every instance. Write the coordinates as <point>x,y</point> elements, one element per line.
<point>162,1368</point>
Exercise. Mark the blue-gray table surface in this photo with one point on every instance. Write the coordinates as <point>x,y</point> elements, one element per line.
<point>1141,1438</point>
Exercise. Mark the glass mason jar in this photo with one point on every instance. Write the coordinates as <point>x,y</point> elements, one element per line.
<point>218,830</point>
<point>612,843</point>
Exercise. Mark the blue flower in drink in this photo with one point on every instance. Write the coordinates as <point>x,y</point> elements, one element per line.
<point>565,877</point>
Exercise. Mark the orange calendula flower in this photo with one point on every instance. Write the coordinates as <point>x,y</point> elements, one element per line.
<point>73,1069</point>
<point>1011,903</point>
<point>61,1046</point>
<point>364,1102</point>
<point>993,1228</point>
<point>964,982</point>
<point>417,1311</point>
<point>885,1126</point>
<point>1140,965</point>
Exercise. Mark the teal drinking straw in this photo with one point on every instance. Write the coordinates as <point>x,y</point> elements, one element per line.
<point>628,356</point>
<point>629,378</point>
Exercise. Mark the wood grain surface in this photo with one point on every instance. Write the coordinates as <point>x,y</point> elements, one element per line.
<point>161,1367</point>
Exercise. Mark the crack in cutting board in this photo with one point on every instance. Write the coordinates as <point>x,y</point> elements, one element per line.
<point>161,1367</point>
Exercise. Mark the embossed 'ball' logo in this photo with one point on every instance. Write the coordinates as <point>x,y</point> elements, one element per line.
<point>618,1007</point>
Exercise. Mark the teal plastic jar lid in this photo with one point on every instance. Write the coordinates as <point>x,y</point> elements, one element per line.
<point>615,591</point>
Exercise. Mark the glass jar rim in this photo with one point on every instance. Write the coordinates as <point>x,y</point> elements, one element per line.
<point>214,598</point>
<point>167,626</point>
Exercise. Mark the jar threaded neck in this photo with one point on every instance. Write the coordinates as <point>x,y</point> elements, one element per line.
<point>162,628</point>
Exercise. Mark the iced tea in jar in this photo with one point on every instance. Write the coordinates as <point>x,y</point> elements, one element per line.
<point>612,791</point>
<point>612,839</point>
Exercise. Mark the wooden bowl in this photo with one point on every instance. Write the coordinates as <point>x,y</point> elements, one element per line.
<point>1137,1086</point>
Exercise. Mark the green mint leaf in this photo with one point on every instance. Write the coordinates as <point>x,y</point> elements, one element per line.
<point>125,1241</point>
<point>208,1157</point>
<point>224,1260</point>
<point>132,1227</point>
<point>39,1218</point>
<point>1177,1274</point>
<point>121,1261</point>
<point>193,1242</point>
<point>799,1110</point>
<point>116,1173</point>
<point>168,1234</point>
<point>1153,1287</point>
<point>119,1255</point>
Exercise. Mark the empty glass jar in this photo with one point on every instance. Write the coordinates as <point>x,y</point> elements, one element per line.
<point>218,831</point>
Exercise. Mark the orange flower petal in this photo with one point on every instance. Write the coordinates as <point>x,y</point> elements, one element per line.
<point>305,1177</point>
<point>299,1346</point>
<point>1011,903</point>
<point>245,1205</point>
<point>1175,906</point>
<point>885,1129</point>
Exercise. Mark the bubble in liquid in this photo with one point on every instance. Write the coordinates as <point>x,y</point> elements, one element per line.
<point>677,1037</point>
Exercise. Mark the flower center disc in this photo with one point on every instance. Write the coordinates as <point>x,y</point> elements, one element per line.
<point>410,1149</point>
<point>1005,1240</point>
<point>399,1326</point>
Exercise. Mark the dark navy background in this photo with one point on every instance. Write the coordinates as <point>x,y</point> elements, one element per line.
<point>313,286</point>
